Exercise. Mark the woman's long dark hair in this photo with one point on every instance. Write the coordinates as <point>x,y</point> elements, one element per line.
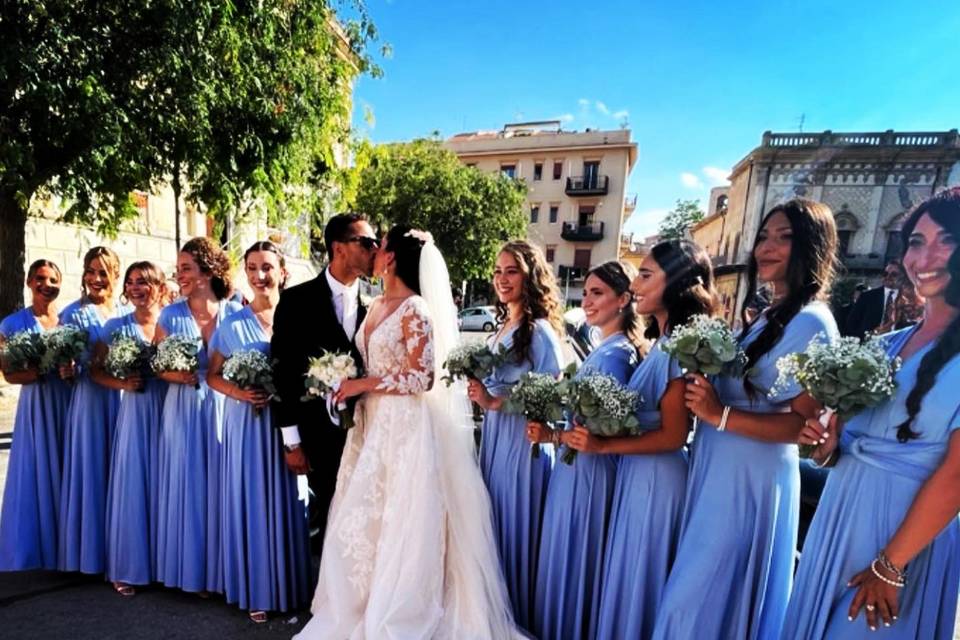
<point>689,289</point>
<point>270,247</point>
<point>813,260</point>
<point>618,276</point>
<point>406,252</point>
<point>944,209</point>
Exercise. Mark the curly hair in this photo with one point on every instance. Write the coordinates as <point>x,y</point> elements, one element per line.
<point>539,297</point>
<point>618,275</point>
<point>153,275</point>
<point>810,272</point>
<point>111,263</point>
<point>212,261</point>
<point>944,209</point>
<point>689,289</point>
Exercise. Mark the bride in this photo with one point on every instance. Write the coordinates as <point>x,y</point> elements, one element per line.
<point>409,550</point>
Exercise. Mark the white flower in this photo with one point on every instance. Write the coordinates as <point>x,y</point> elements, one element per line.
<point>423,236</point>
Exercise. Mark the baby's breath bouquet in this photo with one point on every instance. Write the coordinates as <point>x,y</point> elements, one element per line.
<point>64,344</point>
<point>539,397</point>
<point>177,353</point>
<point>602,405</point>
<point>844,374</point>
<point>23,350</point>
<point>471,360</point>
<point>704,345</point>
<point>127,356</point>
<point>324,375</point>
<point>250,369</point>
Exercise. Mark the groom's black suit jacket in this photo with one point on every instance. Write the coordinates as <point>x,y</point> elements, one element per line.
<point>305,325</point>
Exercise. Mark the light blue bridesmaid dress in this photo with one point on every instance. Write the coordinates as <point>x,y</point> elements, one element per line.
<point>866,498</point>
<point>188,539</point>
<point>516,481</point>
<point>646,515</point>
<point>86,454</point>
<point>133,493</point>
<point>574,532</point>
<point>266,555</point>
<point>734,565</point>
<point>31,497</point>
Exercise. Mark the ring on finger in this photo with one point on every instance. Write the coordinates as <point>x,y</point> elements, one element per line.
<point>871,608</point>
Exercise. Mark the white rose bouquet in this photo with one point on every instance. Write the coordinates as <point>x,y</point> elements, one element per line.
<point>24,350</point>
<point>64,344</point>
<point>602,405</point>
<point>539,397</point>
<point>705,345</point>
<point>472,360</point>
<point>844,374</point>
<point>324,376</point>
<point>177,353</point>
<point>127,356</point>
<point>250,369</point>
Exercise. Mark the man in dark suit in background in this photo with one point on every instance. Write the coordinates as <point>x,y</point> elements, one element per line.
<point>320,315</point>
<point>874,305</point>
<point>842,315</point>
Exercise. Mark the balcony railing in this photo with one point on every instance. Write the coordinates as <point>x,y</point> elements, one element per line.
<point>595,185</point>
<point>888,138</point>
<point>568,273</point>
<point>582,232</point>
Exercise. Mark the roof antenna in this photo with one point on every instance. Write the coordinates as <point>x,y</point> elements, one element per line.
<point>803,118</point>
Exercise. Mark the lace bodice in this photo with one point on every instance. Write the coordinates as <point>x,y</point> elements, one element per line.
<point>400,350</point>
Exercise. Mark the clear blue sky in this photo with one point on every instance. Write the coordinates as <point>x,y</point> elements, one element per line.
<point>698,82</point>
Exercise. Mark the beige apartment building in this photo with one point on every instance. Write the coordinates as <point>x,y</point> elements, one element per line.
<point>870,180</point>
<point>576,200</point>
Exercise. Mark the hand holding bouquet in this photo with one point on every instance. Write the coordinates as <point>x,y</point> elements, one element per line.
<point>324,376</point>
<point>539,397</point>
<point>704,345</point>
<point>251,369</point>
<point>177,353</point>
<point>128,357</point>
<point>602,405</point>
<point>65,345</point>
<point>23,350</point>
<point>845,375</point>
<point>471,360</point>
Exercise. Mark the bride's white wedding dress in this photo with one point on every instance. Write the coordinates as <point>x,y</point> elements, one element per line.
<point>409,549</point>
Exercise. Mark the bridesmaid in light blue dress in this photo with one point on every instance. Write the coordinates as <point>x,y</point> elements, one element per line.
<point>516,481</point>
<point>90,424</point>
<point>31,497</point>
<point>580,495</point>
<point>188,539</point>
<point>133,491</point>
<point>890,504</point>
<point>675,282</point>
<point>266,555</point>
<point>734,563</point>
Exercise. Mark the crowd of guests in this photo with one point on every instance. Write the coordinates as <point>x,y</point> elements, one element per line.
<point>179,478</point>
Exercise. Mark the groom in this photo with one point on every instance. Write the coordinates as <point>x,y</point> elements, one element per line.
<point>320,315</point>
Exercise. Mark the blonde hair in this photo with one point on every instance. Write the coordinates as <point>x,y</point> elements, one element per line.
<point>111,263</point>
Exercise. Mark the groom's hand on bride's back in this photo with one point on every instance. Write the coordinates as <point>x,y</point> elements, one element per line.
<point>296,460</point>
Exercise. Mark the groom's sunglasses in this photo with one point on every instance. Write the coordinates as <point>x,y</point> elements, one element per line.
<point>366,242</point>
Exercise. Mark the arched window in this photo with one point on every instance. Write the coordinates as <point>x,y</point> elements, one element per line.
<point>722,201</point>
<point>847,226</point>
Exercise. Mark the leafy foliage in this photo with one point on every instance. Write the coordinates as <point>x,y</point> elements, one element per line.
<point>685,214</point>
<point>469,213</point>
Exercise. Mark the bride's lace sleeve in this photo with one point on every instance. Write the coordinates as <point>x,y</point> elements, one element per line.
<point>416,374</point>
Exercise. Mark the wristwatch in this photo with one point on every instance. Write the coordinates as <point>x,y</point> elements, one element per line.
<point>290,448</point>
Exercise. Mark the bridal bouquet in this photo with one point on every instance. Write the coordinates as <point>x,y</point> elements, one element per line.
<point>539,397</point>
<point>602,405</point>
<point>705,345</point>
<point>845,375</point>
<point>250,369</point>
<point>471,360</point>
<point>64,344</point>
<point>177,353</point>
<point>23,350</point>
<point>324,376</point>
<point>127,356</point>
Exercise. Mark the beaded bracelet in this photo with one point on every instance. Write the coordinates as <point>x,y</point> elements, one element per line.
<point>887,564</point>
<point>893,583</point>
<point>823,465</point>
<point>723,419</point>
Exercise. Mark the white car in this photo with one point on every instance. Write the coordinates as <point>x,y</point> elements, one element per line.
<point>478,319</point>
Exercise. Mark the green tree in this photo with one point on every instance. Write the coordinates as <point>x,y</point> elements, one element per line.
<point>469,213</point>
<point>240,106</point>
<point>685,214</point>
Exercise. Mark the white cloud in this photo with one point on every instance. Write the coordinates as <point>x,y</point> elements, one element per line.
<point>565,117</point>
<point>644,223</point>
<point>716,175</point>
<point>690,180</point>
<point>602,108</point>
<point>583,102</point>
<point>620,115</point>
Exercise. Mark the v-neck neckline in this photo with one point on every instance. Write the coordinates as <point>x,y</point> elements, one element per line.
<point>367,334</point>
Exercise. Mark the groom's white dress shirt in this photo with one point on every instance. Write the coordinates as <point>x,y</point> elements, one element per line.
<point>346,305</point>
